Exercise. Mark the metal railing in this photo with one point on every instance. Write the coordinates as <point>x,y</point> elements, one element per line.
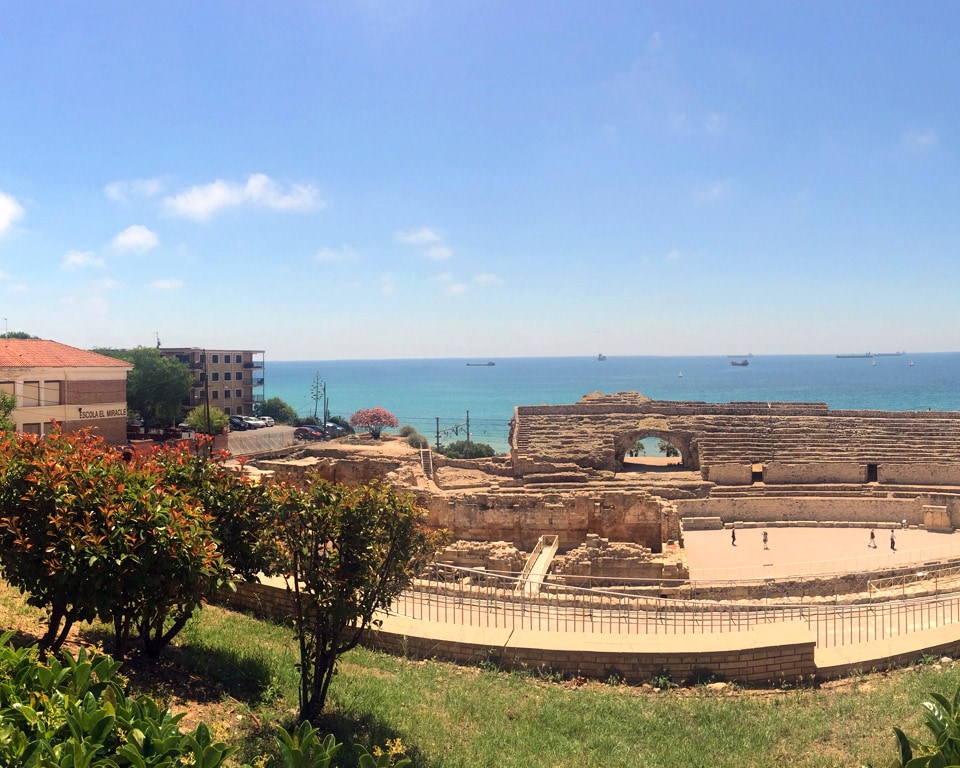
<point>477,598</point>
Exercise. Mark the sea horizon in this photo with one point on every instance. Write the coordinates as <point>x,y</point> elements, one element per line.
<point>441,394</point>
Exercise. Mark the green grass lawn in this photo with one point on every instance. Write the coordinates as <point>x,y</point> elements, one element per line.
<point>237,674</point>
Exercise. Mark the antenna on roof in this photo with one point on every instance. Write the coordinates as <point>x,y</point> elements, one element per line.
<point>157,334</point>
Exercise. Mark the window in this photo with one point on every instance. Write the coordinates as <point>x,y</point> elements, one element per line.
<point>215,359</point>
<point>214,376</point>
<point>226,410</point>
<point>216,395</point>
<point>239,376</point>
<point>7,387</point>
<point>31,396</point>
<point>226,394</point>
<point>227,375</point>
<point>32,429</point>
<point>51,393</point>
<point>239,393</point>
<point>226,358</point>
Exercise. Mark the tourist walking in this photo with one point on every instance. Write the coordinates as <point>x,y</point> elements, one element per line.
<point>765,540</point>
<point>873,539</point>
<point>893,541</point>
<point>733,537</point>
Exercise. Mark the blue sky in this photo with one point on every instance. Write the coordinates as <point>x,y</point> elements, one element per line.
<point>420,178</point>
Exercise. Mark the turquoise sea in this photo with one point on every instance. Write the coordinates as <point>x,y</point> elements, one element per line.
<point>441,392</point>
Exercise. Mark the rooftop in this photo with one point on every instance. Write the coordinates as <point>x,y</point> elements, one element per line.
<point>40,353</point>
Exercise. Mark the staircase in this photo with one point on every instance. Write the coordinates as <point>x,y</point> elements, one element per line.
<point>426,461</point>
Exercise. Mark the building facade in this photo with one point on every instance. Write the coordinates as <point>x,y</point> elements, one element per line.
<point>228,379</point>
<point>53,382</point>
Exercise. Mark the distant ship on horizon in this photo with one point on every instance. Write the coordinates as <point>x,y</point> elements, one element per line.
<point>482,365</point>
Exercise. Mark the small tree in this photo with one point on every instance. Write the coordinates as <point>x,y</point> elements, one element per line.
<point>667,448</point>
<point>464,450</point>
<point>156,386</point>
<point>281,411</point>
<point>7,404</point>
<point>374,420</point>
<point>210,421</point>
<point>346,554</point>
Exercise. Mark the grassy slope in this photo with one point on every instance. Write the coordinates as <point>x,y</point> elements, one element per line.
<point>237,673</point>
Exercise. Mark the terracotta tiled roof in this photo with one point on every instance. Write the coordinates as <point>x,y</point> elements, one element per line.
<point>40,353</point>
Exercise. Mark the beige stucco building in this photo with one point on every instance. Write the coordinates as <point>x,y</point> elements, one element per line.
<point>53,382</point>
<point>229,379</point>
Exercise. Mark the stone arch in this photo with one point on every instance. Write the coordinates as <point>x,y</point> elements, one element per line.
<point>623,441</point>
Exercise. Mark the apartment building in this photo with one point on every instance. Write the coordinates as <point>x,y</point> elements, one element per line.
<point>53,382</point>
<point>228,379</point>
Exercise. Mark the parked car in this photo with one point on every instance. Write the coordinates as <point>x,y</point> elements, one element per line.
<point>253,422</point>
<point>332,429</point>
<point>308,432</point>
<point>268,420</point>
<point>238,423</point>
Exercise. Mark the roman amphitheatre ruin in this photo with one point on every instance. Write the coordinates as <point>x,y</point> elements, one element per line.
<point>569,554</point>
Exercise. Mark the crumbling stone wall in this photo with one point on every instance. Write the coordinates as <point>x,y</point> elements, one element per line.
<point>524,517</point>
<point>492,555</point>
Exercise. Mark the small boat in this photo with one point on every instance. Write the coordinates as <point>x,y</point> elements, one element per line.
<point>680,375</point>
<point>740,363</point>
<point>482,365</point>
<point>601,357</point>
<point>910,363</point>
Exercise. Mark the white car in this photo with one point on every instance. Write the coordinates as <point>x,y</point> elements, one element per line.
<point>268,420</point>
<point>253,422</point>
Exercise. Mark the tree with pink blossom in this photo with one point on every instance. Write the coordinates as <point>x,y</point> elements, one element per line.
<point>374,420</point>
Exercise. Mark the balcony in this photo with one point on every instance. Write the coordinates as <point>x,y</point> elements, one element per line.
<point>254,364</point>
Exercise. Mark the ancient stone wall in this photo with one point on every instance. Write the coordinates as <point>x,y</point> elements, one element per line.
<point>919,474</point>
<point>523,518</point>
<point>729,474</point>
<point>814,472</point>
<point>806,508</point>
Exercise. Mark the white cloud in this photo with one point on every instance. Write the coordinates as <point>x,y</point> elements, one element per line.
<point>10,211</point>
<point>917,139</point>
<point>260,191</point>
<point>125,191</point>
<point>429,240</point>
<point>136,238</point>
<point>486,279</point>
<point>674,255</point>
<point>438,252</point>
<point>422,236</point>
<point>81,260</point>
<point>329,255</point>
<point>167,285</point>
<point>450,285</point>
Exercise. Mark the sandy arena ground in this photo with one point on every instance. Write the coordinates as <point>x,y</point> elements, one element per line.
<point>808,551</point>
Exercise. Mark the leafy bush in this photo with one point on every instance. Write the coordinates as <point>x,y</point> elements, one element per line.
<point>209,421</point>
<point>73,712</point>
<point>942,718</point>
<point>464,450</point>
<point>88,534</point>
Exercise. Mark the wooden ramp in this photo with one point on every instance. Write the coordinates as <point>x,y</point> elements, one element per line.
<point>535,570</point>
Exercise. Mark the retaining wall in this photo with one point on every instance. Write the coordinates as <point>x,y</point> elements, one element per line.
<point>768,654</point>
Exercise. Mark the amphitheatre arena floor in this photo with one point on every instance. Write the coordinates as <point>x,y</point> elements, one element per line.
<point>800,551</point>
